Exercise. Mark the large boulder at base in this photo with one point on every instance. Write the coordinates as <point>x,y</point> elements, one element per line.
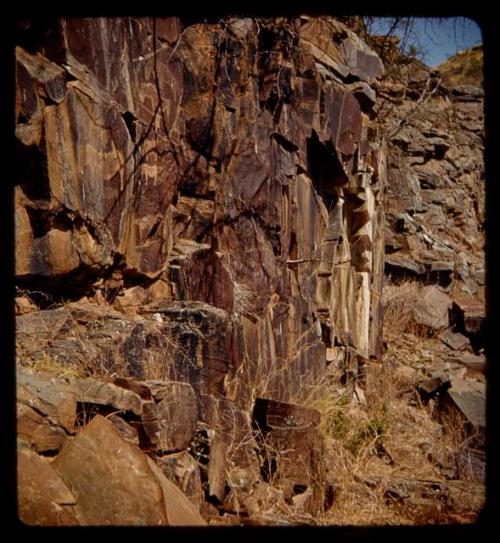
<point>43,498</point>
<point>115,483</point>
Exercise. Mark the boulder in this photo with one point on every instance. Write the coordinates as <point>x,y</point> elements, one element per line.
<point>42,496</point>
<point>46,410</point>
<point>469,398</point>
<point>431,309</point>
<point>284,430</point>
<point>115,483</point>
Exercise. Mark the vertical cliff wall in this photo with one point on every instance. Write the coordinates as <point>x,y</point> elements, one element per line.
<point>208,199</point>
<point>228,163</point>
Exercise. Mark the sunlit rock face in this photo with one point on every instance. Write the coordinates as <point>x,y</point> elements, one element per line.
<point>219,185</point>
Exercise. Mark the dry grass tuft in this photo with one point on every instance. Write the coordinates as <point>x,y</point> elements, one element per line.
<point>398,301</point>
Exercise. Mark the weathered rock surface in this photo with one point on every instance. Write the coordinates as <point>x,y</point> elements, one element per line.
<point>43,498</point>
<point>469,397</point>
<point>455,341</point>
<point>114,483</point>
<point>208,197</point>
<point>241,176</point>
<point>219,185</point>
<point>431,311</point>
<point>46,411</point>
<point>435,192</point>
<point>182,469</point>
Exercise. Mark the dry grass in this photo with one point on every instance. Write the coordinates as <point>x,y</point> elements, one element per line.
<point>48,364</point>
<point>367,444</point>
<point>90,341</point>
<point>463,68</point>
<point>398,301</point>
<point>393,436</point>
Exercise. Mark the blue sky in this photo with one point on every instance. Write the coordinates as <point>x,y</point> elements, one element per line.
<point>439,38</point>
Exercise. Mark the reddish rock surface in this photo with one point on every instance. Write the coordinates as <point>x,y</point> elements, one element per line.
<point>200,234</point>
<point>114,483</point>
<point>42,496</point>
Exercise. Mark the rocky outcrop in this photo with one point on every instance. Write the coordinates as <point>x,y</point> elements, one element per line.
<point>435,190</point>
<point>222,163</point>
<point>201,238</point>
<point>99,478</point>
<point>208,198</point>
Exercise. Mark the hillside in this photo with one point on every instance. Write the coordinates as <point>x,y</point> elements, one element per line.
<point>464,68</point>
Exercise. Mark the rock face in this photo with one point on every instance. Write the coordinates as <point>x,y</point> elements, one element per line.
<point>208,198</point>
<point>228,163</point>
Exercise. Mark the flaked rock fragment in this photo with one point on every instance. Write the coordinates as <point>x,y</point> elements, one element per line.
<point>183,470</point>
<point>92,391</point>
<point>126,430</point>
<point>455,341</point>
<point>101,468</point>
<point>469,319</point>
<point>37,431</point>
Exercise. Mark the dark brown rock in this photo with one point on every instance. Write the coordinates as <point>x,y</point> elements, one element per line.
<point>96,392</point>
<point>219,184</point>
<point>217,463</point>
<point>270,414</point>
<point>183,470</point>
<point>127,431</point>
<point>176,409</point>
